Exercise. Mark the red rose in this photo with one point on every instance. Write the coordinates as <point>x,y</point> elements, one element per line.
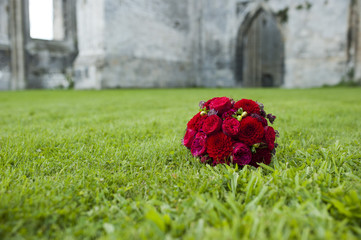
<point>220,104</point>
<point>206,104</point>
<point>260,119</point>
<point>212,124</point>
<point>199,144</point>
<point>219,146</point>
<point>270,137</point>
<point>241,154</point>
<point>248,105</point>
<point>188,137</point>
<point>231,126</point>
<point>196,122</point>
<point>251,131</point>
<point>262,155</point>
<point>219,138</point>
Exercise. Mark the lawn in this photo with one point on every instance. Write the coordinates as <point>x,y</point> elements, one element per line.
<point>110,165</point>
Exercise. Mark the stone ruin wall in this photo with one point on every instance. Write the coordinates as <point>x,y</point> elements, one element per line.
<point>315,40</point>
<point>133,43</point>
<point>5,71</point>
<point>153,47</point>
<point>49,63</point>
<point>162,43</point>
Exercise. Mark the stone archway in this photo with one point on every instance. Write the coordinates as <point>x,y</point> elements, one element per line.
<point>259,60</point>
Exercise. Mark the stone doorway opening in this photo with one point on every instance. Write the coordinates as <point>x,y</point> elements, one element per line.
<point>259,60</point>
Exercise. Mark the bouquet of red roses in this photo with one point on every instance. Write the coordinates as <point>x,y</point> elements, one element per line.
<point>226,131</point>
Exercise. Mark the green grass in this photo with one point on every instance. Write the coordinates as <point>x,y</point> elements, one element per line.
<point>110,165</point>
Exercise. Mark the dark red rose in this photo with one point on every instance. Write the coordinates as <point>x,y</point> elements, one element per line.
<point>241,154</point>
<point>220,104</point>
<point>196,122</point>
<point>206,104</point>
<point>216,137</point>
<point>270,137</point>
<point>248,105</point>
<point>188,137</point>
<point>199,144</point>
<point>251,131</point>
<point>219,146</point>
<point>231,127</point>
<point>260,119</point>
<point>212,124</point>
<point>229,113</point>
<point>262,155</point>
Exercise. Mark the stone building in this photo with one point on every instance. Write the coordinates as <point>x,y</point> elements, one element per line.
<point>170,43</point>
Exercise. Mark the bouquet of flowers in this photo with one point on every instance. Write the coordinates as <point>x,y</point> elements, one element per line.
<point>225,131</point>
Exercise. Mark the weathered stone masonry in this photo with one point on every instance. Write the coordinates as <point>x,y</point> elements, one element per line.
<point>35,63</point>
<point>170,43</point>
<point>5,45</point>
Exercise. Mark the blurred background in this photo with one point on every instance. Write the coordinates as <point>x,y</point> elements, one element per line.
<point>96,44</point>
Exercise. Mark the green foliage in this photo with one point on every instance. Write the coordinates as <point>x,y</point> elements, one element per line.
<point>283,15</point>
<point>348,80</point>
<point>110,165</point>
<point>306,5</point>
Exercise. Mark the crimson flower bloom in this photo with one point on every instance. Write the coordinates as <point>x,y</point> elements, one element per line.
<point>212,124</point>
<point>251,131</point>
<point>199,144</point>
<point>188,137</point>
<point>231,127</point>
<point>219,146</point>
<point>196,122</point>
<point>270,137</point>
<point>241,154</point>
<point>248,105</point>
